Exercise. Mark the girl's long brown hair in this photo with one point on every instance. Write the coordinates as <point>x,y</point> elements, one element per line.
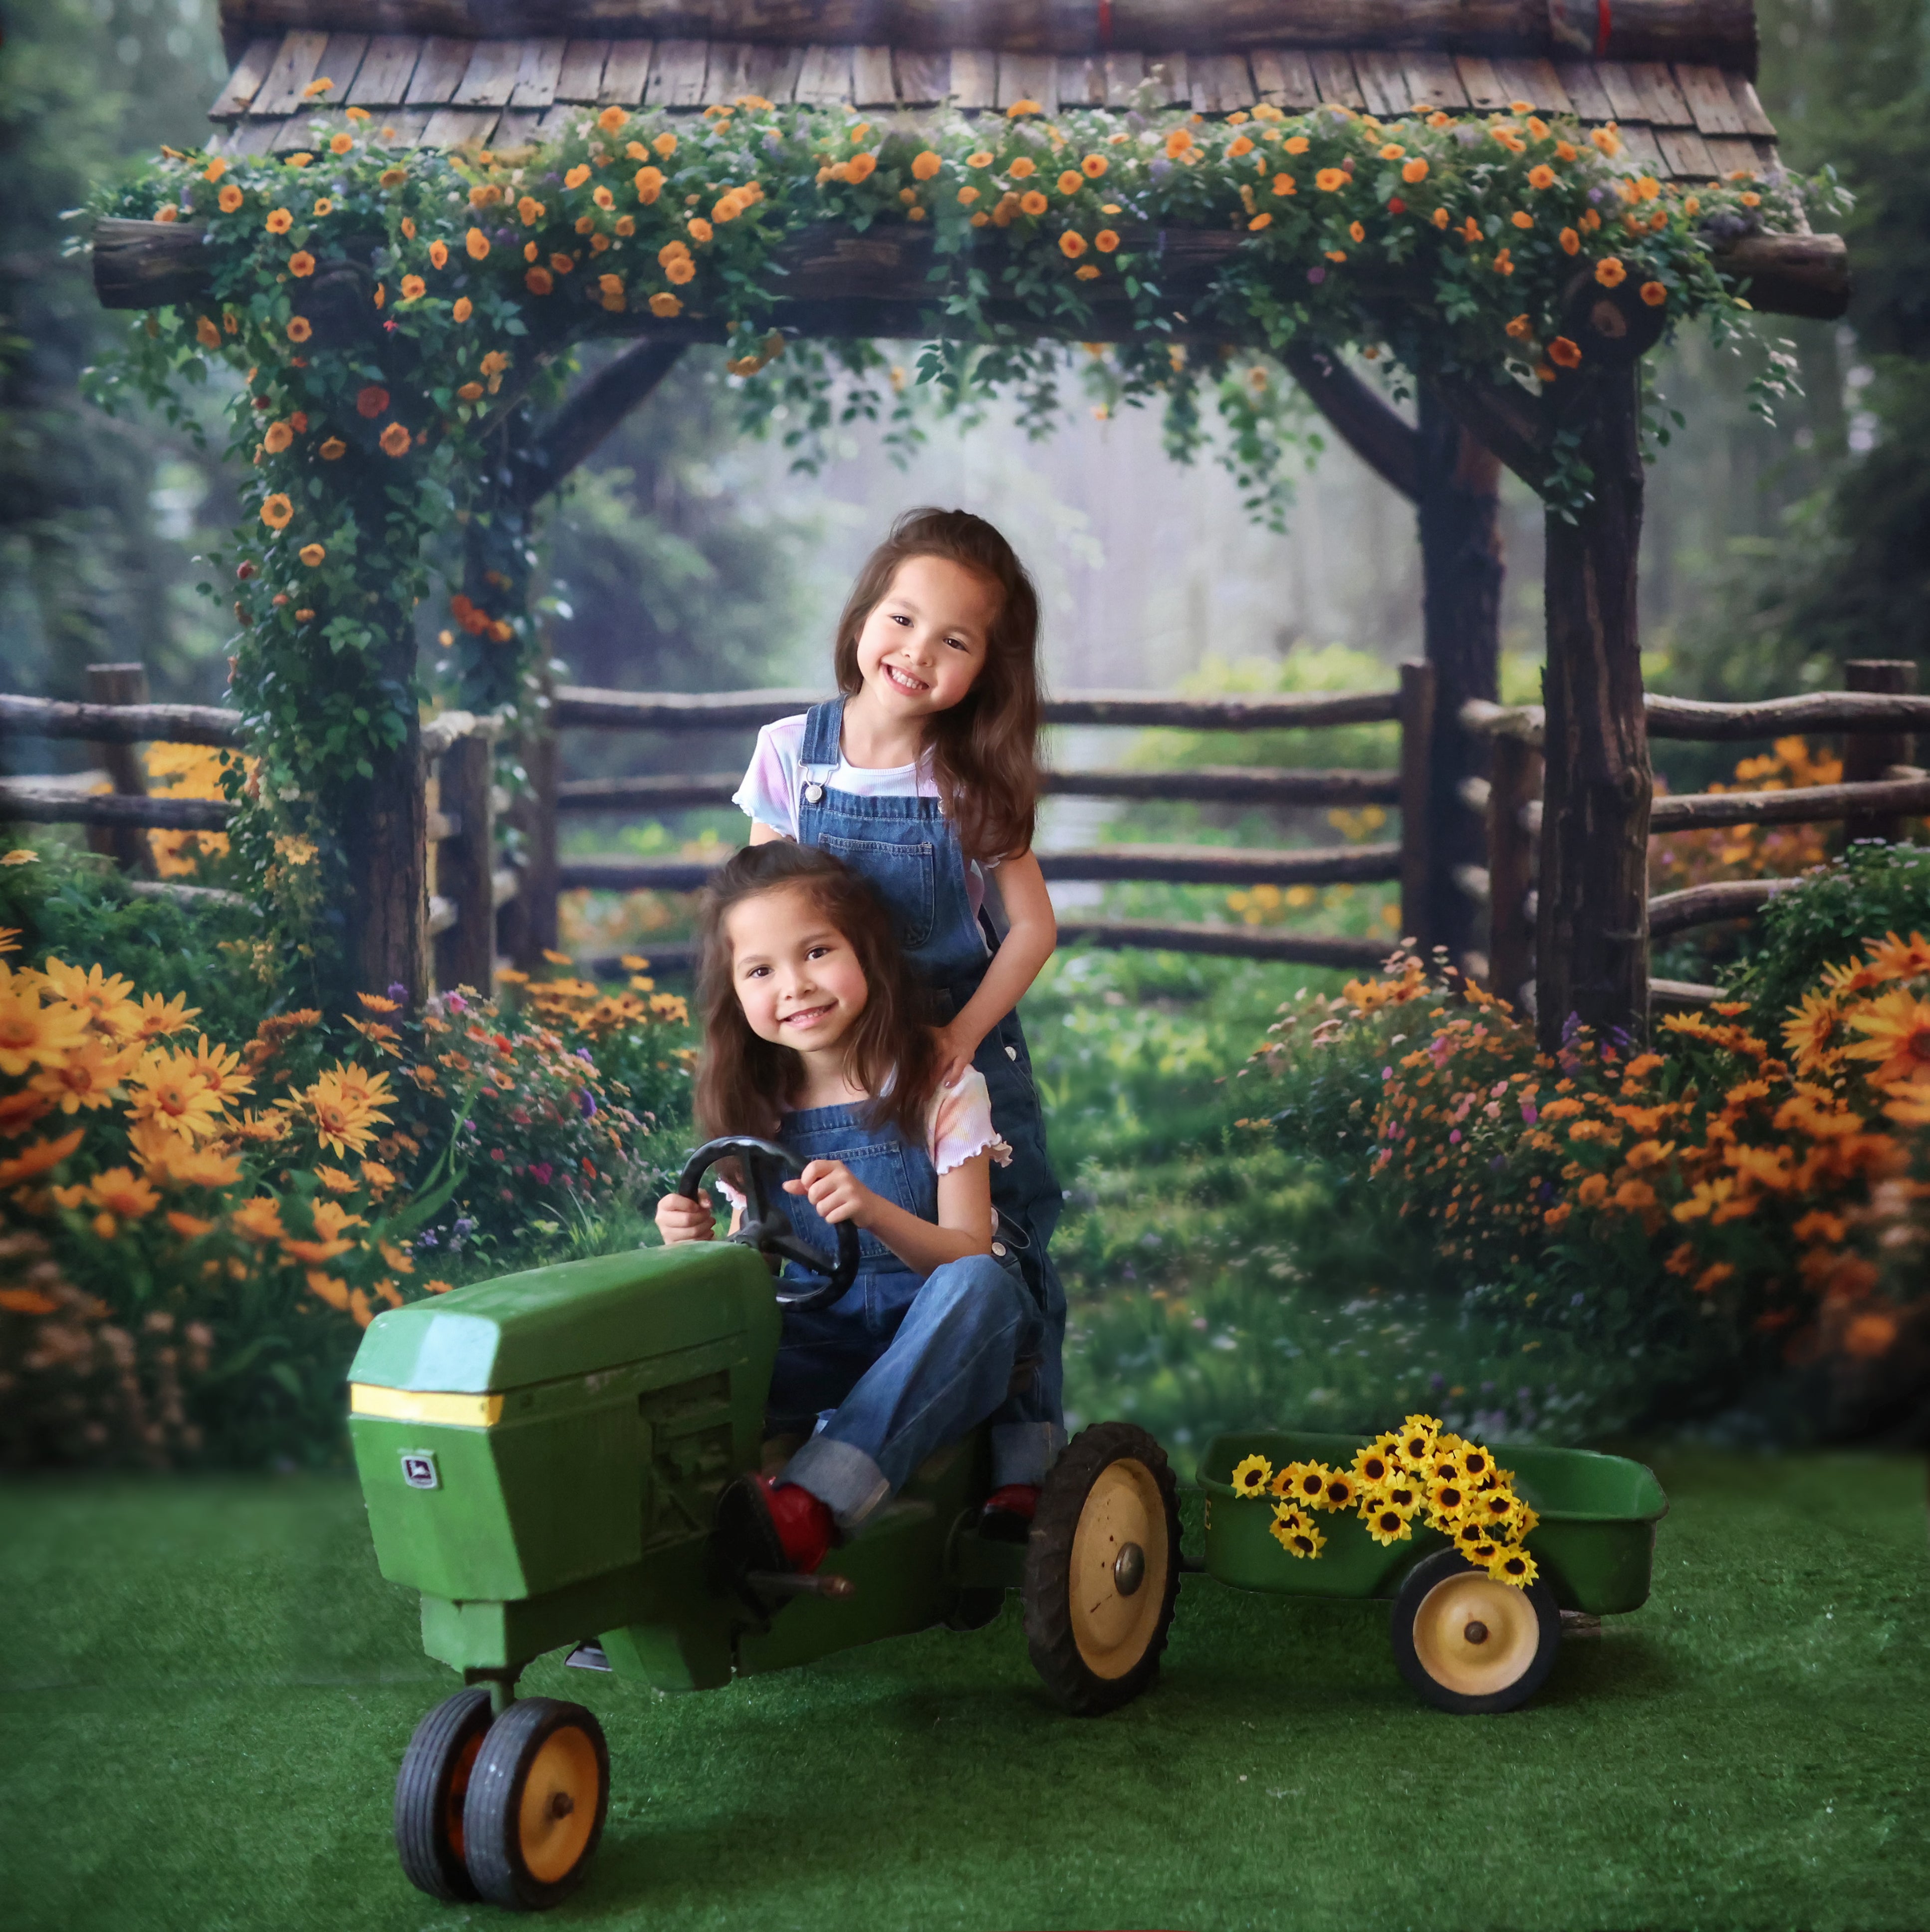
<point>745,1083</point>
<point>985,749</point>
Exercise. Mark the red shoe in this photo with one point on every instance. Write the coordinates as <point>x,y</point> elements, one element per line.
<point>1008,1512</point>
<point>763,1527</point>
<point>803,1523</point>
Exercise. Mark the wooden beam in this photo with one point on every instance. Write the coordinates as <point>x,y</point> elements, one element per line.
<point>1171,864</point>
<point>592,410</point>
<point>1418,683</point>
<point>1228,942</point>
<point>1708,905</point>
<point>1721,33</point>
<point>31,805</point>
<point>118,724</point>
<point>1517,781</point>
<point>1591,939</point>
<point>1883,804</point>
<point>580,707</point>
<point>116,686</point>
<point>1364,420</point>
<point>878,283</point>
<point>1695,719</point>
<point>1221,785</point>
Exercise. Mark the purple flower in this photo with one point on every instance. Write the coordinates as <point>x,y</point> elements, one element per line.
<point>398,992</point>
<point>455,1003</point>
<point>1453,1137</point>
<point>1437,1381</point>
<point>1387,1073</point>
<point>1594,194</point>
<point>1497,1164</point>
<point>583,1054</point>
<point>1530,1112</point>
<point>1159,167</point>
<point>426,1238</point>
<point>1316,276</point>
<point>587,1101</point>
<point>464,1226</point>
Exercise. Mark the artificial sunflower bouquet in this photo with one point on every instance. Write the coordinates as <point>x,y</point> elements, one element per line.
<point>1419,1471</point>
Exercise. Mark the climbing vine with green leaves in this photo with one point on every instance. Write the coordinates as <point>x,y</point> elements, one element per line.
<point>391,308</point>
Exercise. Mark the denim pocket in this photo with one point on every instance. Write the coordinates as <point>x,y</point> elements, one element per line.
<point>904,873</point>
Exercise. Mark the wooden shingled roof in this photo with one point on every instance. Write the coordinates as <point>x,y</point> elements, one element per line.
<point>1689,119</point>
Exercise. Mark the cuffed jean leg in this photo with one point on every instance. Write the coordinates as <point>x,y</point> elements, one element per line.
<point>947,1368</point>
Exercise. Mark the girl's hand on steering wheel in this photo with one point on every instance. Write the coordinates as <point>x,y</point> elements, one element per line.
<point>681,1219</point>
<point>836,1192</point>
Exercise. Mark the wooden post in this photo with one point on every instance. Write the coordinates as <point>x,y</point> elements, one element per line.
<point>1515,782</point>
<point>1459,484</point>
<point>535,904</point>
<point>1592,932</point>
<point>385,835</point>
<point>1868,755</point>
<point>466,952</point>
<point>1417,828</point>
<point>127,845</point>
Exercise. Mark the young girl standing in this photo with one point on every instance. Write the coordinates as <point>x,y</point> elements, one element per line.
<point>922,775</point>
<point>812,1034</point>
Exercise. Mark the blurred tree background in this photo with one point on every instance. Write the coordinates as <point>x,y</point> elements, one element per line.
<point>684,556</point>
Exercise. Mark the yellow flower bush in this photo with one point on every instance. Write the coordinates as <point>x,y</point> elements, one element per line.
<point>266,1198</point>
<point>1418,1473</point>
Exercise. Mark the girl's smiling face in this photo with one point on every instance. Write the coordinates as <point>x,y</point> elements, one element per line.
<point>798,979</point>
<point>923,645</point>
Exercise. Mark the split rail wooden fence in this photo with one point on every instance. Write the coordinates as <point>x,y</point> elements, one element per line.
<point>472,886</point>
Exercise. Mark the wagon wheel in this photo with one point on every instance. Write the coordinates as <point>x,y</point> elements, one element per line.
<point>1101,1568</point>
<point>537,1799</point>
<point>1469,1644</point>
<point>429,1793</point>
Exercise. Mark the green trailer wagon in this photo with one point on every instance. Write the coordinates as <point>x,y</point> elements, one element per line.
<point>1466,1642</point>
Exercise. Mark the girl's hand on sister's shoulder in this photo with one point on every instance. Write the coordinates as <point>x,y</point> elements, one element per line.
<point>836,1192</point>
<point>681,1219</point>
<point>955,1053</point>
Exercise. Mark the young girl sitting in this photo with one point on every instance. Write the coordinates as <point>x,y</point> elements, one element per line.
<point>922,777</point>
<point>813,1037</point>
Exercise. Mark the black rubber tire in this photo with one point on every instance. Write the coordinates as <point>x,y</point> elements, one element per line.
<point>1419,1584</point>
<point>498,1860</point>
<point>430,1789</point>
<point>1052,1627</point>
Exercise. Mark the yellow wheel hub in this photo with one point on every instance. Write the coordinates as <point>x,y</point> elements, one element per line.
<point>1120,1560</point>
<point>558,1808</point>
<point>1476,1636</point>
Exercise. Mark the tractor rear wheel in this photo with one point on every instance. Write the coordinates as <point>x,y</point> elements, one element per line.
<point>537,1800</point>
<point>1101,1568</point>
<point>1468,1644</point>
<point>430,1789</point>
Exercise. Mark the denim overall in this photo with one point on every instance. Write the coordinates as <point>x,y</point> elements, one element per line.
<point>907,1362</point>
<point>909,851</point>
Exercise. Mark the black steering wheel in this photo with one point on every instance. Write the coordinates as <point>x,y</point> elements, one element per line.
<point>767,1227</point>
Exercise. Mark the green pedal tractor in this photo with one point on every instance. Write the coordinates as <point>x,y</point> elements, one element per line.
<point>542,1456</point>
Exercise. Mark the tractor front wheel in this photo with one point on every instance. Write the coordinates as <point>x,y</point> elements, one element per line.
<point>1469,1644</point>
<point>430,1790</point>
<point>536,1803</point>
<point>1101,1568</point>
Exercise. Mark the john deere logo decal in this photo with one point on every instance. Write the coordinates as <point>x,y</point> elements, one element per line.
<point>418,1469</point>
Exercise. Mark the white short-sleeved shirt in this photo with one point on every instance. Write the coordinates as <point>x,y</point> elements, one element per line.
<point>768,793</point>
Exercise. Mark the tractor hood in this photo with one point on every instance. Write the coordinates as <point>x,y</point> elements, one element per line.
<point>573,1319</point>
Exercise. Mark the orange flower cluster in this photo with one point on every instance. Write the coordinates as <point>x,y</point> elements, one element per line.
<point>1794,1187</point>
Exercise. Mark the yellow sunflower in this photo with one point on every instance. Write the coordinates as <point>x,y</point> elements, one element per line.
<point>1250,1476</point>
<point>1387,1525</point>
<point>104,1000</point>
<point>1341,1492</point>
<point>1898,1027</point>
<point>1513,1565</point>
<point>1293,1530</point>
<point>1813,1034</point>
<point>1417,1438</point>
<point>1372,1466</point>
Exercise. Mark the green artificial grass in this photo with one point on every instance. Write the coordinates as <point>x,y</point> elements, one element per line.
<point>207,1689</point>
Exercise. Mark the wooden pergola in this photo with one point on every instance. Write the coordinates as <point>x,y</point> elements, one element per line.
<point>1674,76</point>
